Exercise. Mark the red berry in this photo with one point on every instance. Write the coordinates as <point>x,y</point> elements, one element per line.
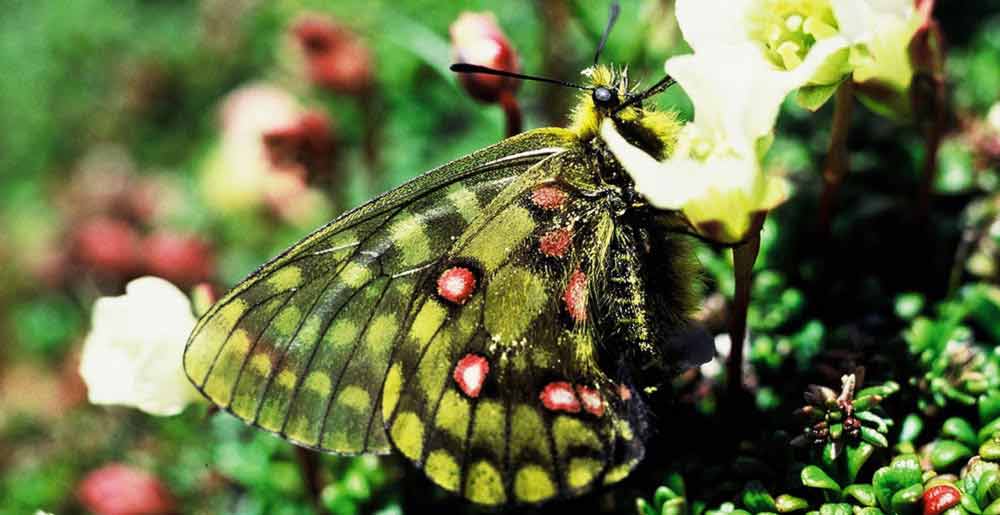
<point>107,245</point>
<point>123,490</point>
<point>939,498</point>
<point>184,260</point>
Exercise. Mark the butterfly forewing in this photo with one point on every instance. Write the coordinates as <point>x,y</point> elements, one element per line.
<point>301,347</point>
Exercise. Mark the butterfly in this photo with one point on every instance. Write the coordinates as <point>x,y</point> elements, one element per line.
<point>492,320</point>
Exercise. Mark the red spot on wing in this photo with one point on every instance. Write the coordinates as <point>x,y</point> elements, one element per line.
<point>559,396</point>
<point>456,284</point>
<point>575,296</point>
<point>470,374</point>
<point>592,400</point>
<point>549,197</point>
<point>555,242</point>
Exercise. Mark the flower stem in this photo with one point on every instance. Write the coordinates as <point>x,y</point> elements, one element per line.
<point>835,167</point>
<point>512,112</point>
<point>309,466</point>
<point>933,128</point>
<point>744,257</point>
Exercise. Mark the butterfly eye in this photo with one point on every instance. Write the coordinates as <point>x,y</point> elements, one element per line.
<point>604,97</point>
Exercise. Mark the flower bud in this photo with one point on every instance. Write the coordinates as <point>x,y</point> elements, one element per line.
<point>477,39</point>
<point>308,144</point>
<point>181,259</point>
<point>336,59</point>
<point>123,490</point>
<point>107,246</point>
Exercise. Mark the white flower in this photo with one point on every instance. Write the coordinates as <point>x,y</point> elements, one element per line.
<point>714,175</point>
<point>831,37</point>
<point>133,353</point>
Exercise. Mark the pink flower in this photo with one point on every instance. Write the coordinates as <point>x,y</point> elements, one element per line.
<point>477,39</point>
<point>118,489</point>
<point>108,246</point>
<point>336,59</point>
<point>182,259</point>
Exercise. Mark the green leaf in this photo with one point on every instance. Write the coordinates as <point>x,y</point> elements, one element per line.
<point>909,305</point>
<point>857,456</point>
<point>989,430</point>
<point>869,511</point>
<point>912,426</point>
<point>756,499</point>
<point>864,494</point>
<point>675,506</point>
<point>905,500</point>
<point>990,450</point>
<point>901,473</point>
<point>643,508</point>
<point>958,429</point>
<point>989,406</point>
<point>946,453</point>
<point>814,477</point>
<point>787,503</point>
<point>662,495</point>
<point>993,508</point>
<point>813,97</point>
<point>835,509</point>
<point>874,437</point>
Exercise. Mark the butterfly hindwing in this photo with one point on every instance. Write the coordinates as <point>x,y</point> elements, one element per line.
<point>301,347</point>
<point>498,394</point>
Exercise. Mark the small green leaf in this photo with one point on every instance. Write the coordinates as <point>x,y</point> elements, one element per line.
<point>662,495</point>
<point>869,511</point>
<point>993,508</point>
<point>864,494</point>
<point>912,426</point>
<point>989,430</point>
<point>676,506</point>
<point>990,450</point>
<point>989,406</point>
<point>814,477</point>
<point>643,508</point>
<point>901,473</point>
<point>857,456</point>
<point>958,429</point>
<point>835,509</point>
<point>909,305</point>
<point>756,498</point>
<point>946,453</point>
<point>788,503</point>
<point>874,437</point>
<point>905,500</point>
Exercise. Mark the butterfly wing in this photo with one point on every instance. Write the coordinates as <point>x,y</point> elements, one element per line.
<point>301,346</point>
<point>499,394</point>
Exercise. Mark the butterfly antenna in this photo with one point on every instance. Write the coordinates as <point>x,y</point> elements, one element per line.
<point>655,89</point>
<point>475,68</point>
<point>613,11</point>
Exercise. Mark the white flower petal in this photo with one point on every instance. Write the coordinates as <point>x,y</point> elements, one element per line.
<point>133,353</point>
<point>707,23</point>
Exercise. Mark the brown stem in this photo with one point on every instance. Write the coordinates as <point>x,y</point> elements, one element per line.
<point>512,112</point>
<point>933,132</point>
<point>835,167</point>
<point>309,466</point>
<point>744,256</point>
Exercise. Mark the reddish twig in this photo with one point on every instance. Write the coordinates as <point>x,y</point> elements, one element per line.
<point>835,167</point>
<point>744,257</point>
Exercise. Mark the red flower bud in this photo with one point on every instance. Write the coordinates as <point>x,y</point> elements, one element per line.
<point>336,59</point>
<point>308,144</point>
<point>108,246</point>
<point>939,498</point>
<point>123,490</point>
<point>181,259</point>
<point>477,39</point>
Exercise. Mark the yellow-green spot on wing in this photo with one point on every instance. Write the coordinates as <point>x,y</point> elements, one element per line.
<point>443,470</point>
<point>410,239</point>
<point>505,232</point>
<point>391,390</point>
<point>489,427</point>
<point>533,484</point>
<point>435,367</point>
<point>582,471</point>
<point>286,322</point>
<point>354,397</point>
<point>484,484</point>
<point>355,274</point>
<point>617,473</point>
<point>219,386</point>
<point>408,435</point>
<point>318,383</point>
<point>514,299</point>
<point>465,202</point>
<point>285,279</point>
<point>526,435</point>
<point>260,365</point>
<point>453,415</point>
<point>209,337</point>
<point>570,433</point>
<point>430,317</point>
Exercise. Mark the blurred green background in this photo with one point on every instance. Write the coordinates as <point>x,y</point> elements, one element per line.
<point>133,144</point>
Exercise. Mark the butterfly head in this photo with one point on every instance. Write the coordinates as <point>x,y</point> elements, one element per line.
<point>610,95</point>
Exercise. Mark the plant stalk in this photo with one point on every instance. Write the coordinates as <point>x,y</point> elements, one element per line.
<point>835,167</point>
<point>744,257</point>
<point>511,111</point>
